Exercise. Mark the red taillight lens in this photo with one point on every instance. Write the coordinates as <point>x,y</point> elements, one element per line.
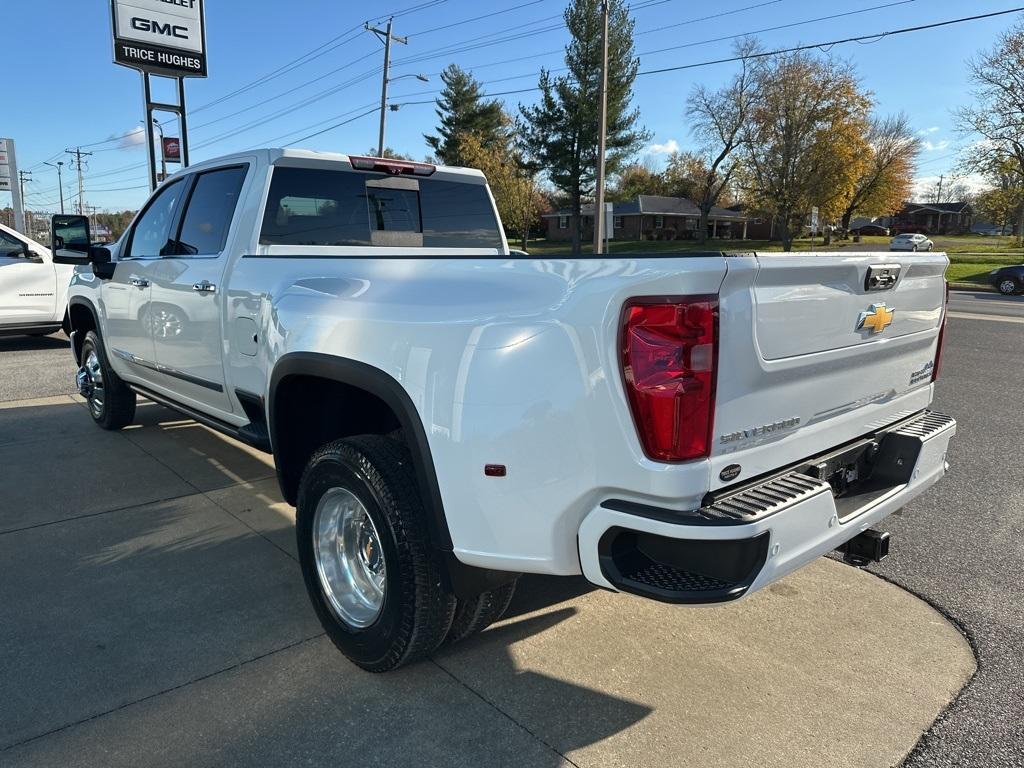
<point>669,361</point>
<point>942,337</point>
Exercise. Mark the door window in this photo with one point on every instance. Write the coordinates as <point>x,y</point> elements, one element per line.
<point>211,206</point>
<point>152,232</point>
<point>10,246</point>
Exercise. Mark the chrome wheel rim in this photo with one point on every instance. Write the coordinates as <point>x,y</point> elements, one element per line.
<point>349,558</point>
<point>91,383</point>
<point>1007,286</point>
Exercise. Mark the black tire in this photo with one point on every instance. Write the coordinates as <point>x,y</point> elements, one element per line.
<point>473,616</point>
<point>1008,286</point>
<point>416,610</point>
<point>114,407</point>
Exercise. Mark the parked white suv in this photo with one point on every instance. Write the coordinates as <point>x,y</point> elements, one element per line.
<point>446,415</point>
<point>33,290</point>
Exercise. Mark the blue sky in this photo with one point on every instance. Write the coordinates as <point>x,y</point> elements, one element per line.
<point>63,90</point>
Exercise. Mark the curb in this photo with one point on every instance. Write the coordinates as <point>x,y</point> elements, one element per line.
<point>974,287</point>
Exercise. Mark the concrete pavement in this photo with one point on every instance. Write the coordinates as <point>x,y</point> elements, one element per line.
<point>152,612</point>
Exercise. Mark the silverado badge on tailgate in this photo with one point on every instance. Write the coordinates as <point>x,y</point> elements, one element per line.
<point>876,319</point>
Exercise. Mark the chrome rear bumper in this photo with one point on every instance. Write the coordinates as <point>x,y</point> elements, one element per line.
<point>747,537</point>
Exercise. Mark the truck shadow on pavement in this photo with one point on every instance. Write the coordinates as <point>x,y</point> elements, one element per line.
<point>33,343</point>
<point>138,605</point>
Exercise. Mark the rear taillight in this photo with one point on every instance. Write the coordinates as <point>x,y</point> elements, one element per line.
<point>669,361</point>
<point>942,337</point>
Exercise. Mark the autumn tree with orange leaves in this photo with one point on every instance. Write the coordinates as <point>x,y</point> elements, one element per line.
<point>883,174</point>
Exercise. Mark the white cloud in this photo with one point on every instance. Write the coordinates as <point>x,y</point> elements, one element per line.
<point>924,184</point>
<point>136,137</point>
<point>667,148</point>
<point>927,131</point>
<point>935,146</point>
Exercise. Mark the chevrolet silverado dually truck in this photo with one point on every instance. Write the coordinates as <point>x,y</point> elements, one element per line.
<point>445,415</point>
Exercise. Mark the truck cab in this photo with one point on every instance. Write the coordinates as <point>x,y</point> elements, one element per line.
<point>33,290</point>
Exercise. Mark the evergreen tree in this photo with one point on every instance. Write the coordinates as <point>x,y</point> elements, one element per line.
<point>562,130</point>
<point>461,110</point>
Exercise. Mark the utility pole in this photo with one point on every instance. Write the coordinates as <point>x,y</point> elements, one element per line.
<point>77,165</point>
<point>386,36</point>
<point>602,137</point>
<point>24,176</point>
<point>60,184</point>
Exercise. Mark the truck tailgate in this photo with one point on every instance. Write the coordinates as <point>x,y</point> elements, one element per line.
<point>815,353</point>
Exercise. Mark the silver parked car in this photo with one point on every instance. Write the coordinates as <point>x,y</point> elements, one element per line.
<point>910,242</point>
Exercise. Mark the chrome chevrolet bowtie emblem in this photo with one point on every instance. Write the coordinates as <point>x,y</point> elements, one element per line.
<point>876,319</point>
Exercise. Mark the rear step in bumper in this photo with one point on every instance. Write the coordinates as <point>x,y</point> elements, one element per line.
<point>748,539</point>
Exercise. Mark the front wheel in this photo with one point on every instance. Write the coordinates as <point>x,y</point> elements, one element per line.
<point>1007,286</point>
<point>111,402</point>
<point>364,549</point>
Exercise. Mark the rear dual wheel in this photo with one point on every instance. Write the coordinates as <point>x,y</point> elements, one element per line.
<point>373,578</point>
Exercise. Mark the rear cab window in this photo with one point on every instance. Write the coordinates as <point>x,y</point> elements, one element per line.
<point>328,207</point>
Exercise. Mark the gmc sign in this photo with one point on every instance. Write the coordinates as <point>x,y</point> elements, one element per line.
<point>163,37</point>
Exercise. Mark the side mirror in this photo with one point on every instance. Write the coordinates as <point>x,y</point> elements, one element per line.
<point>102,264</point>
<point>32,256</point>
<point>69,238</point>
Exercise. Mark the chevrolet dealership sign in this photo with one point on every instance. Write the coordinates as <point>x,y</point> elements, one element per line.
<point>164,37</point>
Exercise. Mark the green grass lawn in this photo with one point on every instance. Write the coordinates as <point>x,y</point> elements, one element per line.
<point>971,271</point>
<point>988,248</point>
<point>971,257</point>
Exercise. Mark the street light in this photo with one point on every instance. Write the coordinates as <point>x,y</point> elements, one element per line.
<point>392,107</point>
<point>163,160</point>
<point>60,185</point>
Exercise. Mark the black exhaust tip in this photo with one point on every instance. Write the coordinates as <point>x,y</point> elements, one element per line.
<point>869,546</point>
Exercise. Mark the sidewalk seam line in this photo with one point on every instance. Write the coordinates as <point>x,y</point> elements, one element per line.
<point>499,710</point>
<point>87,515</point>
<point>127,704</point>
<point>259,533</point>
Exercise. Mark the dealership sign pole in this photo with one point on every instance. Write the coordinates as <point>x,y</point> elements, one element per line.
<point>9,182</point>
<point>166,38</point>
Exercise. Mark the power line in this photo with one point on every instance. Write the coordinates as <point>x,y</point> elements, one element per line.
<point>476,18</point>
<point>862,38</point>
<point>332,127</point>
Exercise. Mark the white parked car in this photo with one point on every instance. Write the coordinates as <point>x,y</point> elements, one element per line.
<point>446,414</point>
<point>33,290</point>
<point>911,242</point>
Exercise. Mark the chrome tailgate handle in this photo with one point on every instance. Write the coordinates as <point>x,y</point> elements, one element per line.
<point>205,287</point>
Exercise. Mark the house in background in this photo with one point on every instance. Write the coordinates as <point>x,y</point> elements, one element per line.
<point>934,218</point>
<point>651,217</point>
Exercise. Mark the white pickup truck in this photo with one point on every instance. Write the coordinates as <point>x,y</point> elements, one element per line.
<point>445,415</point>
<point>33,290</point>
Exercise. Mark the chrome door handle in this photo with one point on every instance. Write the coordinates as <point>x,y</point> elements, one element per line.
<point>205,287</point>
<point>139,282</point>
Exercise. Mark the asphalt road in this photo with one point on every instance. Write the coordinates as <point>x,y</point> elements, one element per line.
<point>35,367</point>
<point>959,546</point>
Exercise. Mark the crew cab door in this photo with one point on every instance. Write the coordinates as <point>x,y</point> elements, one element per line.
<point>128,321</point>
<point>28,284</point>
<point>187,295</point>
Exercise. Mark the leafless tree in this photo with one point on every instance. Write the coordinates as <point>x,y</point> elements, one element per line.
<point>718,118</point>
